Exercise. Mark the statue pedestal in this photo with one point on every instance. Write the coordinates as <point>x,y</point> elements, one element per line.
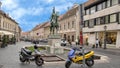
<point>54,41</point>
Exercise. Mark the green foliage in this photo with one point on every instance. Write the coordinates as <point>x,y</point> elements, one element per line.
<point>5,39</point>
<point>32,48</point>
<point>13,39</point>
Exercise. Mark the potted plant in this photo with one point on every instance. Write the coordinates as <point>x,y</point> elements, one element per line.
<point>13,40</point>
<point>4,41</point>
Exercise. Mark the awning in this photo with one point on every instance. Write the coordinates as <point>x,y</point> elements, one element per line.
<point>5,33</point>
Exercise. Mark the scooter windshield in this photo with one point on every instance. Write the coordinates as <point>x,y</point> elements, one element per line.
<point>71,54</point>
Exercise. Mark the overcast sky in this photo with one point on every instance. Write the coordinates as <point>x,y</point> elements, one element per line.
<point>29,13</point>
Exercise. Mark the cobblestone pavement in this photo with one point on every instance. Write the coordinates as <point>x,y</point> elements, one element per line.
<point>9,58</point>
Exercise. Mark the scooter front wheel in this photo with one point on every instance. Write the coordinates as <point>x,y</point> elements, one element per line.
<point>89,62</point>
<point>67,64</point>
<point>39,61</point>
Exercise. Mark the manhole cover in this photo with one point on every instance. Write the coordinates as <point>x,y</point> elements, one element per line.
<point>1,66</point>
<point>52,58</point>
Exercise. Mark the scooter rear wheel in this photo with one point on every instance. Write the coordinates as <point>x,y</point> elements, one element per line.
<point>67,64</point>
<point>22,59</point>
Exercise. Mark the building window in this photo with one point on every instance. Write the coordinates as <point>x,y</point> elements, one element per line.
<point>3,24</point>
<point>86,23</point>
<point>91,23</point>
<point>72,24</point>
<point>68,38</point>
<point>108,3</point>
<point>0,21</point>
<point>106,19</point>
<point>99,7</point>
<point>68,25</point>
<point>102,20</point>
<point>93,9</point>
<point>60,27</point>
<point>119,18</point>
<point>72,38</point>
<point>64,26</point>
<point>7,25</point>
<point>104,5</point>
<point>97,21</point>
<point>87,11</point>
<point>113,18</point>
<point>114,2</point>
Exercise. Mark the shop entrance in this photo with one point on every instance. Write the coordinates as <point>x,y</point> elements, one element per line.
<point>110,37</point>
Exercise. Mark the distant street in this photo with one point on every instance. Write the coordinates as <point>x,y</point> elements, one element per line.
<point>9,58</point>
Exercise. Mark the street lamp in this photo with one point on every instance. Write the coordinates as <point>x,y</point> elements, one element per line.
<point>105,40</point>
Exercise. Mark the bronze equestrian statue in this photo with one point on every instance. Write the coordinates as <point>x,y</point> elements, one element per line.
<point>54,22</point>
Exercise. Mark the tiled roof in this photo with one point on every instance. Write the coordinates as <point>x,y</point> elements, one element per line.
<point>89,2</point>
<point>24,33</point>
<point>69,13</point>
<point>36,27</point>
<point>39,26</point>
<point>47,24</point>
<point>60,17</point>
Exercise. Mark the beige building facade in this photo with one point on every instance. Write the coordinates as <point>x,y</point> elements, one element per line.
<point>9,26</point>
<point>102,16</point>
<point>69,24</point>
<point>47,30</point>
<point>38,32</point>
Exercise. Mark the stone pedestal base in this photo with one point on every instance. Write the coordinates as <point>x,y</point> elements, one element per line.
<point>55,50</point>
<point>54,41</point>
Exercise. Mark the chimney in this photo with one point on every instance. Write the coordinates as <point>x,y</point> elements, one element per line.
<point>75,5</point>
<point>68,8</point>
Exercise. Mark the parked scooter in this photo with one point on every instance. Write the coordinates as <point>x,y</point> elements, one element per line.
<point>78,59</point>
<point>26,56</point>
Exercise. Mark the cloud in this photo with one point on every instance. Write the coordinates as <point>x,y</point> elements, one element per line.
<point>18,13</point>
<point>33,12</point>
<point>49,1</point>
<point>27,25</point>
<point>10,4</point>
<point>63,7</point>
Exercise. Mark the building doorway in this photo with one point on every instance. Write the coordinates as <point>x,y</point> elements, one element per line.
<point>65,36</point>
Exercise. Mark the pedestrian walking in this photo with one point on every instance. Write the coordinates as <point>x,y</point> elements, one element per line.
<point>97,43</point>
<point>76,41</point>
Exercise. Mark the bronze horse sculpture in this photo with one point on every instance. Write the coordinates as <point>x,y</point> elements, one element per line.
<point>54,22</point>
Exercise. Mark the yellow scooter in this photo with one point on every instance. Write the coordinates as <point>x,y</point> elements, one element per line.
<point>78,59</point>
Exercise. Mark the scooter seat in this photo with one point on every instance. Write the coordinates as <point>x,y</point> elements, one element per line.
<point>27,51</point>
<point>80,54</point>
<point>87,52</point>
